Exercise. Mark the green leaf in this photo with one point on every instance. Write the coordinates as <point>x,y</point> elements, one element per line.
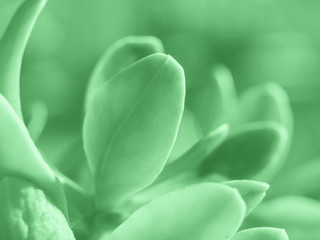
<point>183,171</point>
<point>28,214</point>
<point>12,46</point>
<point>38,120</point>
<point>252,192</point>
<point>118,57</point>
<point>196,154</point>
<point>19,157</point>
<point>203,211</point>
<point>300,216</point>
<point>263,233</point>
<point>216,102</point>
<point>267,102</point>
<point>248,151</point>
<point>131,125</point>
<point>189,133</point>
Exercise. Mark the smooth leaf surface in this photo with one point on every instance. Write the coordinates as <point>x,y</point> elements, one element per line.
<point>262,233</point>
<point>19,157</point>
<point>183,171</point>
<point>266,102</point>
<point>196,154</point>
<point>203,211</point>
<point>12,46</point>
<point>189,133</point>
<point>299,216</point>
<point>252,192</point>
<point>28,214</point>
<point>216,102</point>
<point>119,56</point>
<point>131,125</point>
<point>248,151</point>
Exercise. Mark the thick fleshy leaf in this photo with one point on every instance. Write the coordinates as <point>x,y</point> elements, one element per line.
<point>183,171</point>
<point>131,125</point>
<point>119,56</point>
<point>12,47</point>
<point>203,211</point>
<point>248,151</point>
<point>299,216</point>
<point>263,233</point>
<point>252,192</point>
<point>19,157</point>
<point>266,102</point>
<point>189,133</point>
<point>216,102</point>
<point>28,214</point>
<point>198,153</point>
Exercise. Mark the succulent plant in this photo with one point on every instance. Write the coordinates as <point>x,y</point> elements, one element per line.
<point>156,159</point>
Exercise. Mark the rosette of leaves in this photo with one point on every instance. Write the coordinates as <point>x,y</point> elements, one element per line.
<point>133,111</point>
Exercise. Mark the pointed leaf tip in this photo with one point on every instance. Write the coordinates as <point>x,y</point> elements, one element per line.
<point>252,192</point>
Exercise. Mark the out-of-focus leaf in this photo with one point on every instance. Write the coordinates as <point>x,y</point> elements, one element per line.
<point>19,157</point>
<point>119,56</point>
<point>215,103</point>
<point>183,171</point>
<point>252,192</point>
<point>38,120</point>
<point>248,151</point>
<point>263,233</point>
<point>12,47</point>
<point>131,125</point>
<point>299,216</point>
<point>302,179</point>
<point>203,211</point>
<point>268,102</point>
<point>189,133</point>
<point>28,214</point>
<point>194,157</point>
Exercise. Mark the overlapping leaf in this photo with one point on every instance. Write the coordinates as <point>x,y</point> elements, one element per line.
<point>119,56</point>
<point>261,234</point>
<point>248,151</point>
<point>12,47</point>
<point>252,192</point>
<point>19,156</point>
<point>131,125</point>
<point>203,211</point>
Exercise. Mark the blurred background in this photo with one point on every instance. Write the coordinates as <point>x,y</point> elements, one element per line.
<point>258,40</point>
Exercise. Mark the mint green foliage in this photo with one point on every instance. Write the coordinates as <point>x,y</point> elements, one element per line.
<point>116,135</point>
<point>128,151</point>
<point>262,234</point>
